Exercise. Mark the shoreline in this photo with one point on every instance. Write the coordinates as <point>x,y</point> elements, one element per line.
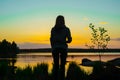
<point>70,50</point>
<point>69,54</point>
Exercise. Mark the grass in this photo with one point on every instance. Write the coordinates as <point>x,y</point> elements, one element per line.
<point>74,72</point>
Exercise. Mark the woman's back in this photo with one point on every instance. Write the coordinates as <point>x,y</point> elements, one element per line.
<point>60,36</point>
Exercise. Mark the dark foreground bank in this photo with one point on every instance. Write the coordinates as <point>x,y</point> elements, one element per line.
<point>107,71</point>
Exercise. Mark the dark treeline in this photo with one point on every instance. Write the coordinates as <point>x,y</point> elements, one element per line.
<point>70,50</point>
<point>7,49</point>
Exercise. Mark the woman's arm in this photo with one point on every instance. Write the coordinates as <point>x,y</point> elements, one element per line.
<point>69,38</point>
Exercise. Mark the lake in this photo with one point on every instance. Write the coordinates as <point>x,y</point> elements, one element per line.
<point>32,59</point>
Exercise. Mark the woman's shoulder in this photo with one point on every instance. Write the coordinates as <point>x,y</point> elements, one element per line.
<point>53,28</point>
<point>67,28</point>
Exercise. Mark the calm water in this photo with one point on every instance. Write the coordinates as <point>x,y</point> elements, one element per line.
<point>32,59</point>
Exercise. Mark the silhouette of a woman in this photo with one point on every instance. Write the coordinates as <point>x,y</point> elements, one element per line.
<point>60,36</point>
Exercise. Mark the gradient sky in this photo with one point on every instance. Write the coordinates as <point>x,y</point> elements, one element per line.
<point>28,22</point>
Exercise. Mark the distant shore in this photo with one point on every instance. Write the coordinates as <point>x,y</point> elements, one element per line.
<point>71,50</point>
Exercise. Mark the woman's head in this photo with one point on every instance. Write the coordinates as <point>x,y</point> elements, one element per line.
<point>60,20</point>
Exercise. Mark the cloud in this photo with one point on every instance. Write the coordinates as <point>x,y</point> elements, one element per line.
<point>116,39</point>
<point>85,18</point>
<point>29,45</point>
<point>86,28</point>
<point>103,23</point>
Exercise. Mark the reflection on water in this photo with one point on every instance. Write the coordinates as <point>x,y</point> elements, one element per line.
<point>32,59</point>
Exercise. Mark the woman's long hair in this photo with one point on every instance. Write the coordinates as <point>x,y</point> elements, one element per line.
<point>60,22</point>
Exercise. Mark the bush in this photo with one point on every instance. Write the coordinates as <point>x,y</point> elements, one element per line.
<point>76,73</point>
<point>41,71</point>
<point>24,74</point>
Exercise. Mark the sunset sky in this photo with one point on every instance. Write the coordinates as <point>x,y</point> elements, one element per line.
<point>28,22</point>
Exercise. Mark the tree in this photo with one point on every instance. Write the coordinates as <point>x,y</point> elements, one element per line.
<point>100,38</point>
<point>9,50</point>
